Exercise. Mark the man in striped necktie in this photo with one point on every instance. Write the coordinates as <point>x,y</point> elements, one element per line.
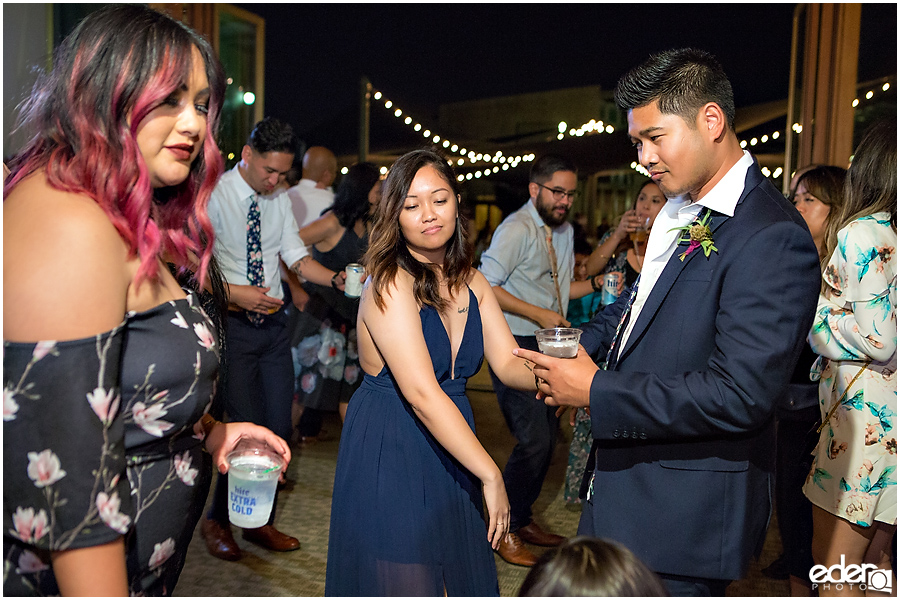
<point>255,227</point>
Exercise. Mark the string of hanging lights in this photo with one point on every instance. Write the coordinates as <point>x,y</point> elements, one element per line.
<point>500,162</point>
<point>497,161</point>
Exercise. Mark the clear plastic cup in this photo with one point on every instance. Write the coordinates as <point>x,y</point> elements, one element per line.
<point>560,342</point>
<point>642,233</point>
<point>253,470</point>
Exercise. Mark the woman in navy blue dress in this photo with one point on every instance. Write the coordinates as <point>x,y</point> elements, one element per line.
<point>412,479</point>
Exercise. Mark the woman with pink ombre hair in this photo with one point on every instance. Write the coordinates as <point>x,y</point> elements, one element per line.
<point>109,366</point>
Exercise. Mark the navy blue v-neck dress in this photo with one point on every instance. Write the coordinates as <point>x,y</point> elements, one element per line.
<point>406,518</point>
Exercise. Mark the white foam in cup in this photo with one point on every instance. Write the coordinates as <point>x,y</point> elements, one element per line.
<point>252,478</point>
<point>559,342</point>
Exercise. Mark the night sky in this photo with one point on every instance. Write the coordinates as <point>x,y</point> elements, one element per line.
<point>424,55</point>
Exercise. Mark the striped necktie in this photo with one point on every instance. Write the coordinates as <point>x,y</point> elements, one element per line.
<point>624,319</point>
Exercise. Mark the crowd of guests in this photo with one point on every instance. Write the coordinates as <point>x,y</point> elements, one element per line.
<point>185,295</point>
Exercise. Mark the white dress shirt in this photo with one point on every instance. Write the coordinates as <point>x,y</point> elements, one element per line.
<point>679,212</point>
<point>279,234</point>
<point>308,201</point>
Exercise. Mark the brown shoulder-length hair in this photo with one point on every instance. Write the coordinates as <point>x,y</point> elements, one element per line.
<point>871,183</point>
<point>585,566</point>
<point>826,183</point>
<point>387,249</point>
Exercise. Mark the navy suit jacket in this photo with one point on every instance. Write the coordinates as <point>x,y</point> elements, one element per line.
<point>683,427</point>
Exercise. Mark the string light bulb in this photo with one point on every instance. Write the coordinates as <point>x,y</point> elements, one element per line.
<point>510,162</point>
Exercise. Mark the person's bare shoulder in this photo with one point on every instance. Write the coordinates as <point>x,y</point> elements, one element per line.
<point>479,284</point>
<point>66,269</point>
<point>400,288</point>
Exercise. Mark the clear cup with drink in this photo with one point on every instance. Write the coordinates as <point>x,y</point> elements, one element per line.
<point>559,342</point>
<point>253,471</point>
<point>642,233</point>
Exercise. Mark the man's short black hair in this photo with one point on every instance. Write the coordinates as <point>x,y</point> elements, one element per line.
<point>273,135</point>
<point>681,81</point>
<point>543,168</point>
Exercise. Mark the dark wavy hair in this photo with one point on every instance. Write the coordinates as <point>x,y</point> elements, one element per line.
<point>387,248</point>
<point>273,135</point>
<point>871,183</point>
<point>116,66</point>
<point>681,81</point>
<point>585,566</point>
<point>351,201</point>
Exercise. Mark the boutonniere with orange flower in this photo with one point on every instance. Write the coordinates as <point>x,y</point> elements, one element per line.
<point>696,235</point>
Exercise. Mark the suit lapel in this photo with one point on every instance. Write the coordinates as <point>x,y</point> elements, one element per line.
<point>675,266</point>
<point>665,282</point>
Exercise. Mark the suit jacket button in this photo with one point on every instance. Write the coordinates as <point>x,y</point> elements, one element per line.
<point>616,433</point>
<point>643,435</point>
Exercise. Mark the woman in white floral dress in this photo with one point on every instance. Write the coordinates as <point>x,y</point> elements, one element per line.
<point>108,365</point>
<point>853,480</point>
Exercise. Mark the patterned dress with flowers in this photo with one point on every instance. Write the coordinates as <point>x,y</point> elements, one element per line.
<point>854,473</point>
<point>98,443</point>
<point>323,340</point>
<point>580,447</point>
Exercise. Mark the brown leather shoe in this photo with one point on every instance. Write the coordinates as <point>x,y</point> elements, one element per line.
<point>269,537</point>
<point>219,540</point>
<point>512,549</point>
<point>533,534</point>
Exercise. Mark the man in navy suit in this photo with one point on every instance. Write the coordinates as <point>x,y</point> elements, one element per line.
<point>682,466</point>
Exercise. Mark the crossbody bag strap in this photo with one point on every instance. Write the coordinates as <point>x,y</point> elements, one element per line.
<point>844,395</point>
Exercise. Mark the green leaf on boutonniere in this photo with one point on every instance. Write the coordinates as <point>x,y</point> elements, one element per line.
<point>698,235</point>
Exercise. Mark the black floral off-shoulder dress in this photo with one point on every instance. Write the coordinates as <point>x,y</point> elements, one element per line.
<point>98,443</point>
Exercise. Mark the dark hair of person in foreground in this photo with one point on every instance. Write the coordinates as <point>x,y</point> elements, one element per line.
<point>586,566</point>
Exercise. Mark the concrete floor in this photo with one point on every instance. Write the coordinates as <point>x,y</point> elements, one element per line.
<point>305,505</point>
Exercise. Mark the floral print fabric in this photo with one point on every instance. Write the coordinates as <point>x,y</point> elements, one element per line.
<point>98,443</point>
<point>854,471</point>
<point>580,447</point>
<point>326,365</point>
<point>323,336</point>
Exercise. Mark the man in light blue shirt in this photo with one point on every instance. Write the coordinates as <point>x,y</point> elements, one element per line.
<point>259,379</point>
<point>533,292</point>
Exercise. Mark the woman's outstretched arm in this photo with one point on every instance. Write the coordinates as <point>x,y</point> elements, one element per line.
<point>395,336</point>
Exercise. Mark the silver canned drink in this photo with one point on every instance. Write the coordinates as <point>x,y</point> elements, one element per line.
<point>610,289</point>
<point>352,285</point>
